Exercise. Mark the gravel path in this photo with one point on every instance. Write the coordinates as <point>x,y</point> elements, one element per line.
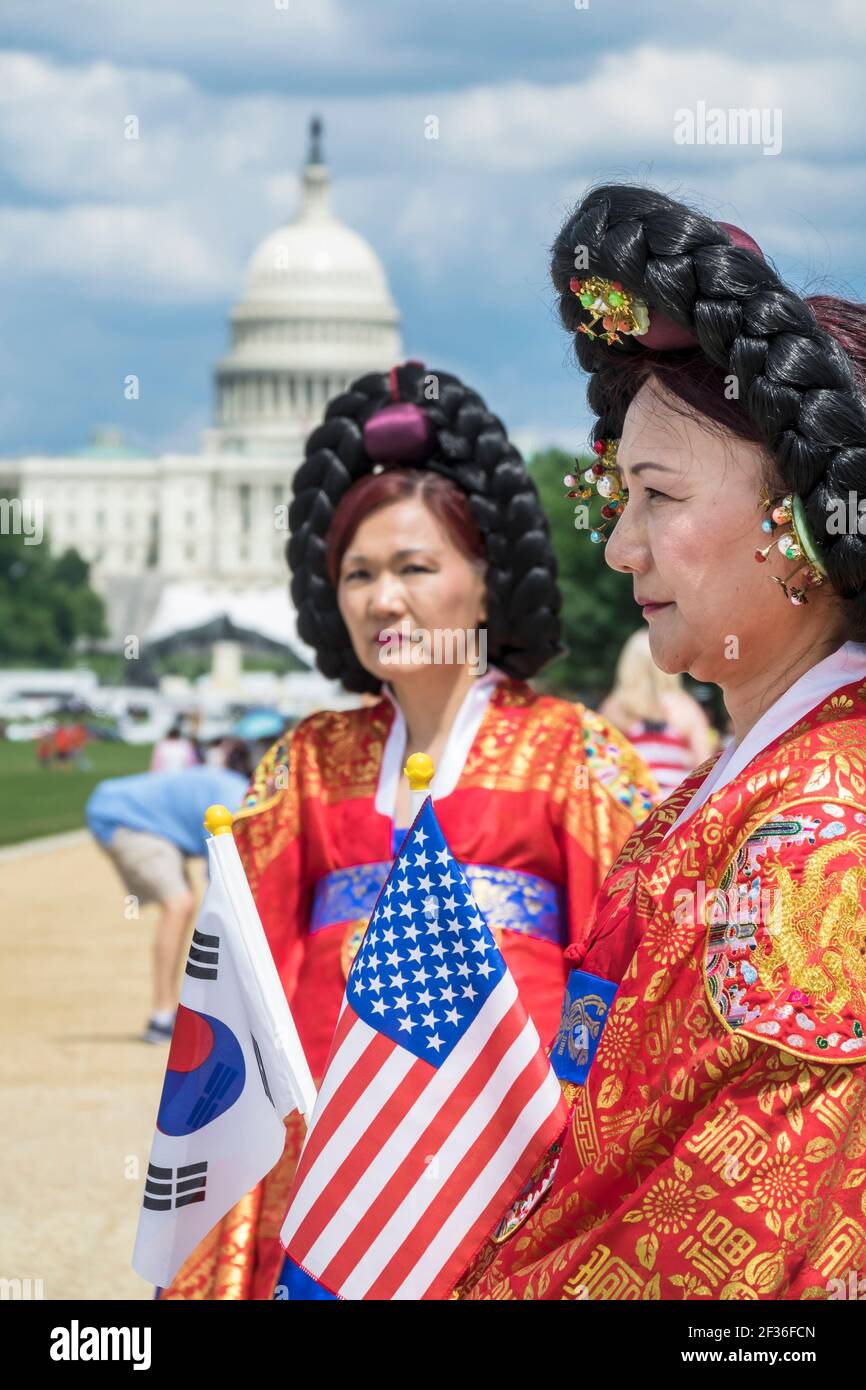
<point>78,1090</point>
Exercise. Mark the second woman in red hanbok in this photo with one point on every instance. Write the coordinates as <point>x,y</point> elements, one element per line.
<point>423,576</point>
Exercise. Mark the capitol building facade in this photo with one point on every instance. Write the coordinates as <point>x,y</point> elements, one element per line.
<point>175,537</point>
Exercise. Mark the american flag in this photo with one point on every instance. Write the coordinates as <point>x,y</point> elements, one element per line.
<point>437,1100</point>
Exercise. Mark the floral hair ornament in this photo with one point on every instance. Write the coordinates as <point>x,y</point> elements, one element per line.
<point>797,543</point>
<point>605,474</point>
<point>608,301</point>
<point>620,311</point>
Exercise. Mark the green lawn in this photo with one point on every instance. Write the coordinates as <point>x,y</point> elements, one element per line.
<point>36,801</point>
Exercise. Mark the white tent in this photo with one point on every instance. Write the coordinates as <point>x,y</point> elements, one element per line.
<point>190,611</point>
<point>224,618</point>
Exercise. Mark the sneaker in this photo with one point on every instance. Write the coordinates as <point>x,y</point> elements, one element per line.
<point>158,1032</point>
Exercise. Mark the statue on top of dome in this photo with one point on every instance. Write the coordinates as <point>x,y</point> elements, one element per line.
<point>316,156</point>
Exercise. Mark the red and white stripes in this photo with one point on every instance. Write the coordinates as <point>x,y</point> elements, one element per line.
<point>407,1166</point>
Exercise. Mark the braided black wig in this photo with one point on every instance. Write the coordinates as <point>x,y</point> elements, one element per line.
<point>473,450</point>
<point>799,392</point>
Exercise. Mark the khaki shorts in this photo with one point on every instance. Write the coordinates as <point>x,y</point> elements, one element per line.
<point>153,869</point>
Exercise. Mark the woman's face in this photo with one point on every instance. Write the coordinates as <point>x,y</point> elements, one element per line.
<point>688,537</point>
<point>408,596</point>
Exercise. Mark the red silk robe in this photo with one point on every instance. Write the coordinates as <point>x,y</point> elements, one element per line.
<point>718,1147</point>
<point>549,792</point>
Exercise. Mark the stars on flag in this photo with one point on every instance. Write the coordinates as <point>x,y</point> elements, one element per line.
<point>428,960</point>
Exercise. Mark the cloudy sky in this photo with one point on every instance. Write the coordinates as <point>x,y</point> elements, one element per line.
<point>121,256</point>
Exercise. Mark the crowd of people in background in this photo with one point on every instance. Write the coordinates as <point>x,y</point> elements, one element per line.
<point>64,746</point>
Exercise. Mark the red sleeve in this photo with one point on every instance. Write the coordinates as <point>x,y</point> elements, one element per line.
<point>267,830</point>
<point>611,791</point>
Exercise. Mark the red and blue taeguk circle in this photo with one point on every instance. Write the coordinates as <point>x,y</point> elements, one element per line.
<point>205,1073</point>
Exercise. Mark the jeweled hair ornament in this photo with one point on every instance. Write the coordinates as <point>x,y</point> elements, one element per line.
<point>605,476</point>
<point>625,314</point>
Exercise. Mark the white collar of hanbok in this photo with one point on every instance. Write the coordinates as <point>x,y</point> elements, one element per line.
<point>460,740</point>
<point>845,665</point>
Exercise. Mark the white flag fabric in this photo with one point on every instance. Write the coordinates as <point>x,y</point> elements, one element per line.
<point>235,1069</point>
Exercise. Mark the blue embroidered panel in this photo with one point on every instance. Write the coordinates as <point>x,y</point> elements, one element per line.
<point>518,901</point>
<point>586,1006</point>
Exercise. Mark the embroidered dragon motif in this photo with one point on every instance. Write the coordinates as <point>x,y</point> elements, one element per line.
<point>816,940</point>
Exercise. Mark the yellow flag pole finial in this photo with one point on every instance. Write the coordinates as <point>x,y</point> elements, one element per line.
<point>419,769</point>
<point>218,820</point>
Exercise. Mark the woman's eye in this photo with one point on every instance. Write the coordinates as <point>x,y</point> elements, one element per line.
<point>354,574</point>
<point>652,493</point>
<point>417,569</point>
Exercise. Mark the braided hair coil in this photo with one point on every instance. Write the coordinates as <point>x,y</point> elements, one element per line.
<point>797,385</point>
<point>473,450</point>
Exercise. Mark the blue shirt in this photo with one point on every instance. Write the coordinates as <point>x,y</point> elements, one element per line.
<point>170,804</point>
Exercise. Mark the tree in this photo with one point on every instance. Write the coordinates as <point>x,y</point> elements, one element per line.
<point>598,610</point>
<point>46,604</point>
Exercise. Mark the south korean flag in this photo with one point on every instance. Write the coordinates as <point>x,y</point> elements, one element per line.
<point>235,1070</point>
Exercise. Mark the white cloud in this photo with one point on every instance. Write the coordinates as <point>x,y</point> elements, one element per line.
<point>242,41</point>
<point>63,131</point>
<point>625,108</point>
<point>176,213</point>
<point>166,30</point>
<point>122,252</point>
<point>466,220</point>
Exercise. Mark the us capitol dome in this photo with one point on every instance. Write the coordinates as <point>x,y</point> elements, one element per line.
<point>176,542</point>
<point>315,313</point>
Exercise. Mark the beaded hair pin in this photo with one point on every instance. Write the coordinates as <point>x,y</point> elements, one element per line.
<point>606,477</point>
<point>619,310</point>
<point>794,544</point>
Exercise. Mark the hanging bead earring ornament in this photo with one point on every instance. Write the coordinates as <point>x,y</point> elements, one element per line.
<point>605,474</point>
<point>794,544</point>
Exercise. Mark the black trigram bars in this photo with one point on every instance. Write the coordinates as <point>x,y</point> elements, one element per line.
<point>204,954</point>
<point>262,1073</point>
<point>207,1103</point>
<point>164,1188</point>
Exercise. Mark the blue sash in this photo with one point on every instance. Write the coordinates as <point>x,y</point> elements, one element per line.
<point>508,898</point>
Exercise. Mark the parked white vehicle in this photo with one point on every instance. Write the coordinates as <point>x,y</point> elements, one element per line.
<point>51,687</point>
<point>28,730</point>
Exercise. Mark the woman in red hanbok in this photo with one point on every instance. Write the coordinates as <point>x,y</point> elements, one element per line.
<point>423,575</point>
<point>713,1038</point>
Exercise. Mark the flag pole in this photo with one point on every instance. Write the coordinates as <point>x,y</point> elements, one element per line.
<point>419,769</point>
<point>258,968</point>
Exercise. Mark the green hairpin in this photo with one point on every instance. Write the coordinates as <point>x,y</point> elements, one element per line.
<point>804,535</point>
